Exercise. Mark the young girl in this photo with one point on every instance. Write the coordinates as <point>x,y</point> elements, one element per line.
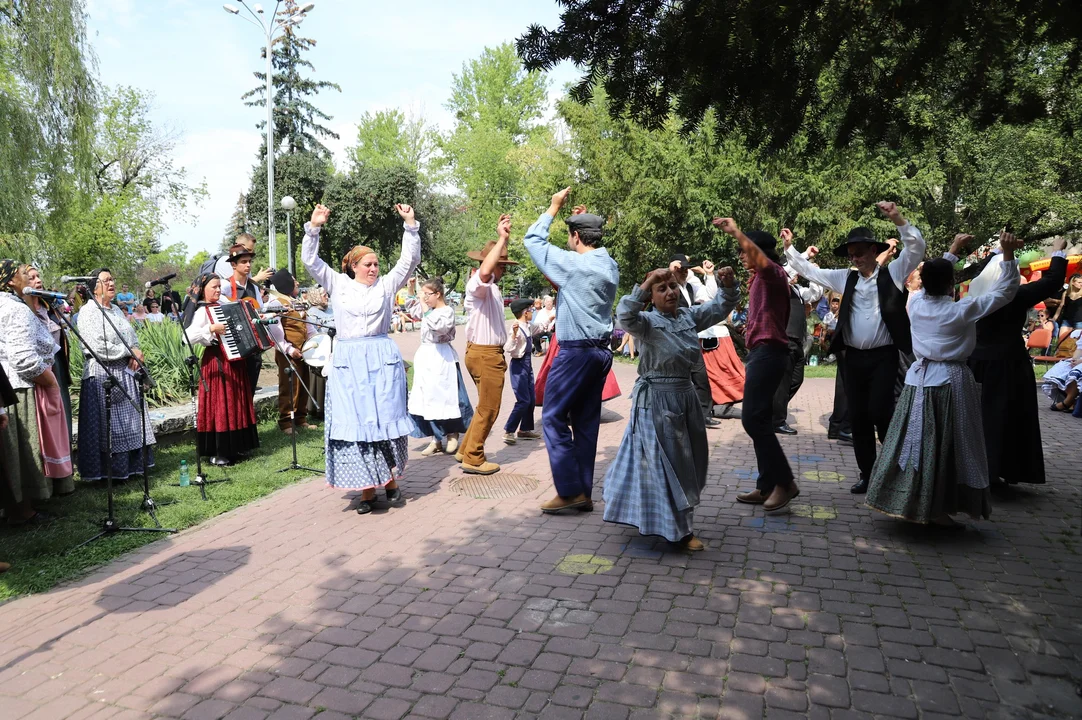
<point>659,472</point>
<point>226,422</point>
<point>438,411</point>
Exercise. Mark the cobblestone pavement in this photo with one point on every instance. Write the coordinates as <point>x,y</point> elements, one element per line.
<point>475,609</point>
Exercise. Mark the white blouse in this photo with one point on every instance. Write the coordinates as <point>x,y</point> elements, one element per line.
<point>100,335</point>
<point>438,325</point>
<point>945,331</point>
<point>362,310</point>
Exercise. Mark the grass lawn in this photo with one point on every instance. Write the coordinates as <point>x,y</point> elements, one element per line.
<point>40,556</point>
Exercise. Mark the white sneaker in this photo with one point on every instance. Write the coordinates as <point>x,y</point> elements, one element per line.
<point>510,438</point>
<point>432,449</point>
<point>452,444</point>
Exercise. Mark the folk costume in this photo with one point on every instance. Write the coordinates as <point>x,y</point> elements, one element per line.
<point>517,348</point>
<point>933,462</point>
<point>572,417</point>
<point>438,401</point>
<point>37,446</point>
<point>608,392</point>
<point>232,291</point>
<point>291,332</point>
<point>796,330</point>
<point>127,422</point>
<point>659,472</point>
<point>724,369</point>
<point>226,426</point>
<point>366,418</point>
<point>873,330</point>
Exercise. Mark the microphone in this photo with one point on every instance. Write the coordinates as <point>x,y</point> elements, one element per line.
<point>77,278</point>
<point>161,280</point>
<point>268,309</point>
<point>266,321</point>
<point>44,294</point>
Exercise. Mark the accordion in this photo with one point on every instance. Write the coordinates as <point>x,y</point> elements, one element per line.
<point>243,335</point>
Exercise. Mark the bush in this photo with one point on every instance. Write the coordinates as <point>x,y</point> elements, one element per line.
<point>165,350</point>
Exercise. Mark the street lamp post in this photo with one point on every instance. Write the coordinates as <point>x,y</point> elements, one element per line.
<point>289,205</point>
<point>270,28</point>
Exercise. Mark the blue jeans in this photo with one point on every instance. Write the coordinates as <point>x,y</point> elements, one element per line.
<point>521,417</point>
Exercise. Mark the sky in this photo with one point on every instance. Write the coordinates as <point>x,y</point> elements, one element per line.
<point>198,60</point>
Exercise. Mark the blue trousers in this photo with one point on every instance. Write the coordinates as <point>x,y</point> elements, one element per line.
<point>521,417</point>
<point>572,413</point>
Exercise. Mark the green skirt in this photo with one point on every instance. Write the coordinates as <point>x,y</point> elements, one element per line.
<point>20,451</point>
<point>932,489</point>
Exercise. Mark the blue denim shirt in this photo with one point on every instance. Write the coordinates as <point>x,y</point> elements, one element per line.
<point>587,284</point>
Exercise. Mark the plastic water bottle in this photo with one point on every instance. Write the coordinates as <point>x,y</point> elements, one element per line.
<point>813,360</point>
<point>185,481</point>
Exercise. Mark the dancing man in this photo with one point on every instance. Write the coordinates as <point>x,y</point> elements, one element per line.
<point>873,327</point>
<point>587,277</point>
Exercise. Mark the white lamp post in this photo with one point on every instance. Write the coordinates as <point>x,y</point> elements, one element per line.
<point>270,29</point>
<point>289,205</point>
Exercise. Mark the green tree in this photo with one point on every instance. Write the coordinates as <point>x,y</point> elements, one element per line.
<point>304,176</point>
<point>391,137</point>
<point>47,104</point>
<point>774,70</point>
<point>297,120</point>
<point>238,221</point>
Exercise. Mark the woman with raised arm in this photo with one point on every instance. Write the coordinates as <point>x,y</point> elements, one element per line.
<point>933,463</point>
<point>367,419</point>
<point>1002,367</point>
<point>659,472</point>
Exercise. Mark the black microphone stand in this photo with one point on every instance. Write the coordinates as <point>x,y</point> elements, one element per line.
<point>110,525</point>
<point>193,362</point>
<point>291,372</point>
<point>143,382</point>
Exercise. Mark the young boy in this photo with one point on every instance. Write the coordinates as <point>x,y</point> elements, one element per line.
<point>518,347</point>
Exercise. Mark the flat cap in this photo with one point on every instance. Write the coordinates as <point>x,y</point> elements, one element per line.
<point>585,221</point>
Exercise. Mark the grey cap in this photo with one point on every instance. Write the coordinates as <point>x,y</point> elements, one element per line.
<point>585,221</point>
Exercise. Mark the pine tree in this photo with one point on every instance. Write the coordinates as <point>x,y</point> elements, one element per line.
<point>238,223</point>
<point>296,120</point>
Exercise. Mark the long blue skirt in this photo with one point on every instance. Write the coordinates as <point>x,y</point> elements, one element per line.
<point>365,408</point>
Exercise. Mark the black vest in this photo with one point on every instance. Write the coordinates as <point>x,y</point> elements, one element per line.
<point>797,329</point>
<point>891,310</point>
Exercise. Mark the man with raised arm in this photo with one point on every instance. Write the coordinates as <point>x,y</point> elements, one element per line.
<point>587,277</point>
<point>873,326</point>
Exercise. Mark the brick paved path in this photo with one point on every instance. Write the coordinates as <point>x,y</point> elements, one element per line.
<point>295,607</point>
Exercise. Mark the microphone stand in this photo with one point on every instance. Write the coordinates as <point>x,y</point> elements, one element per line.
<point>110,525</point>
<point>144,381</point>
<point>291,372</point>
<point>192,363</point>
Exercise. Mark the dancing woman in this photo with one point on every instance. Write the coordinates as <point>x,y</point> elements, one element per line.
<point>226,424</point>
<point>659,472</point>
<point>438,402</point>
<point>933,463</point>
<point>367,420</point>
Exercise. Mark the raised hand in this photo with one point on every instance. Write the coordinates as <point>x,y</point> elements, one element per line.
<point>320,215</point>
<point>726,225</point>
<point>578,210</point>
<point>812,251</point>
<point>651,279</point>
<point>891,211</point>
<point>262,276</point>
<point>406,211</point>
<point>558,200</point>
<point>1009,243</point>
<point>786,238</point>
<point>727,277</point>
<point>959,244</point>
<point>708,266</point>
<point>503,228</point>
<point>1059,244</point>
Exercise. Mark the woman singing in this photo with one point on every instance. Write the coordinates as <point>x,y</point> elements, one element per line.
<point>49,315</point>
<point>438,402</point>
<point>127,420</point>
<point>37,445</point>
<point>367,428</point>
<point>226,424</point>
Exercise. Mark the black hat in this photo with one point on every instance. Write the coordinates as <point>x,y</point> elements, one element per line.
<point>765,242</point>
<point>585,221</point>
<point>859,235</point>
<point>519,306</point>
<point>680,258</point>
<point>283,282</point>
<point>237,252</point>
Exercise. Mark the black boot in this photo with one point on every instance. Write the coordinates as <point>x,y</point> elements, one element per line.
<point>861,487</point>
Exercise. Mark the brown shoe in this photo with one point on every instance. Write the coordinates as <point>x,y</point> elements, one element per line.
<point>458,457</point>
<point>485,468</point>
<point>558,504</point>
<point>588,507</point>
<point>751,498</point>
<point>529,435</point>
<point>692,543</point>
<point>781,497</point>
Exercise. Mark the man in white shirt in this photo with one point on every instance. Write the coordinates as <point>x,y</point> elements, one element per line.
<point>486,334</point>
<point>544,322</point>
<point>873,327</point>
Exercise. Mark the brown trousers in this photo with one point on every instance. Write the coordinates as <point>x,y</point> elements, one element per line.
<point>487,366</point>
<point>297,402</point>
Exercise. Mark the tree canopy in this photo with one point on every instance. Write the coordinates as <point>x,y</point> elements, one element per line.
<point>831,69</point>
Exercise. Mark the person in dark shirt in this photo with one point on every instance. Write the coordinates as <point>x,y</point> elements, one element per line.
<point>768,355</point>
